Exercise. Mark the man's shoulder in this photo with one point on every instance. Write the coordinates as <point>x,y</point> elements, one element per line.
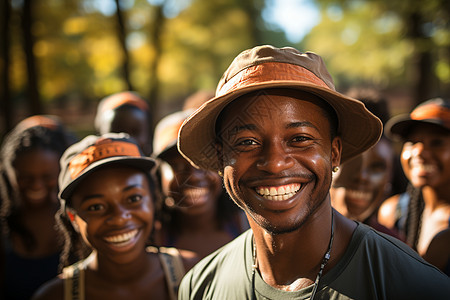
<point>215,274</point>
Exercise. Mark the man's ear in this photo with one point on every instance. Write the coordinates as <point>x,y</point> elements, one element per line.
<point>336,151</point>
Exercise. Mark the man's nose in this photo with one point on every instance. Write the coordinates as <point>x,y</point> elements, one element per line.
<point>275,159</point>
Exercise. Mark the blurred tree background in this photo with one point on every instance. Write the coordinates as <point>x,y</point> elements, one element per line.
<point>62,56</point>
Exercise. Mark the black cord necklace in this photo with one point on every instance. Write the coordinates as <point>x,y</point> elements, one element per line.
<point>325,260</point>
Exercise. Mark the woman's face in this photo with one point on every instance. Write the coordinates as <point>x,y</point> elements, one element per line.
<point>192,190</point>
<point>114,212</point>
<point>425,156</point>
<point>37,177</point>
<point>361,184</point>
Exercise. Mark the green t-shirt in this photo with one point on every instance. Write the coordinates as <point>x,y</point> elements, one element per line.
<point>374,266</point>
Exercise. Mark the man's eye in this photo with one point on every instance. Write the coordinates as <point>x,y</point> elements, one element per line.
<point>246,143</point>
<point>301,139</point>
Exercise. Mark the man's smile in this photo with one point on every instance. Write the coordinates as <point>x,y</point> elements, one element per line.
<point>279,193</point>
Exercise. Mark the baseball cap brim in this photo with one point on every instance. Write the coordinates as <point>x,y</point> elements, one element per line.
<point>398,127</point>
<point>144,164</point>
<point>358,127</point>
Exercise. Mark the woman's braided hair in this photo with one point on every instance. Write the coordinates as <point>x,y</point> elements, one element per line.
<point>414,216</point>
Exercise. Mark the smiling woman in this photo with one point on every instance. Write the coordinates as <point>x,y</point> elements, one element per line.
<point>28,183</point>
<point>107,194</point>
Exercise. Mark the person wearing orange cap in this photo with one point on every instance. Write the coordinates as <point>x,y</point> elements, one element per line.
<point>276,130</point>
<point>28,185</point>
<point>107,194</point>
<point>424,209</point>
<point>126,112</point>
<point>197,214</point>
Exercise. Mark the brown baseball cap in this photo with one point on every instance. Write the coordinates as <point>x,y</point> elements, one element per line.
<point>434,111</point>
<point>94,152</point>
<point>264,67</point>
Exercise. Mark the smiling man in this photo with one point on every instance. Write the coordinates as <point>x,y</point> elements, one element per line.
<point>276,131</point>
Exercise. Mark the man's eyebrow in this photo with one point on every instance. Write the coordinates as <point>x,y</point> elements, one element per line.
<point>240,128</point>
<point>301,124</point>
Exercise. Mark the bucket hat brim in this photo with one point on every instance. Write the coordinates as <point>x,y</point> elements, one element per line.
<point>357,126</point>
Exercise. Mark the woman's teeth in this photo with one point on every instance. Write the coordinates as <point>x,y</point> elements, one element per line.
<point>364,196</point>
<point>121,238</point>
<point>279,193</point>
<point>196,192</point>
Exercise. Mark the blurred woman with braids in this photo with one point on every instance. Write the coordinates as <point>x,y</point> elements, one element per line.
<point>28,184</point>
<point>424,209</point>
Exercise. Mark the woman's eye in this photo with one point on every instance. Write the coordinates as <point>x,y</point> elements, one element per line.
<point>436,143</point>
<point>95,207</point>
<point>135,198</point>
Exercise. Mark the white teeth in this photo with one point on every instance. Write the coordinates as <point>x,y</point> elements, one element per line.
<point>196,192</point>
<point>273,191</point>
<point>36,195</point>
<point>279,193</point>
<point>365,196</point>
<point>121,238</point>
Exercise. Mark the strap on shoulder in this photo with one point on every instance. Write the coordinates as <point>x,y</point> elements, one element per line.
<point>174,270</point>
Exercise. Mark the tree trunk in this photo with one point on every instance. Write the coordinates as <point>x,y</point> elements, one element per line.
<point>121,32</point>
<point>5,103</point>
<point>33,93</point>
<point>423,75</point>
<point>155,31</point>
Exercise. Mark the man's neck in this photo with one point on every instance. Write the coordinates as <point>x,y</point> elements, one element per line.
<point>291,261</point>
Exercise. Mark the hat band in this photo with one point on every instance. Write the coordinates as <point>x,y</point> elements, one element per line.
<point>432,112</point>
<point>101,151</point>
<point>271,71</point>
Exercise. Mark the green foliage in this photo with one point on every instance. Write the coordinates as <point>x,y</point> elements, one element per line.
<point>378,42</point>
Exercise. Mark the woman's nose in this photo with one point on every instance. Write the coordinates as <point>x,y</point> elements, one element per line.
<point>118,215</point>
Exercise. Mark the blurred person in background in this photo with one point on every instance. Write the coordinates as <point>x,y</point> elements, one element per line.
<point>108,193</point>
<point>364,182</point>
<point>126,112</point>
<point>197,213</point>
<point>30,156</point>
<point>423,210</point>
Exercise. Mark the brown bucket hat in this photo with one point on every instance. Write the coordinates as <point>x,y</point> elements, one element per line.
<point>266,67</point>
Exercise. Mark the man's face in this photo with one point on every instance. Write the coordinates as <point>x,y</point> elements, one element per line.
<point>277,156</point>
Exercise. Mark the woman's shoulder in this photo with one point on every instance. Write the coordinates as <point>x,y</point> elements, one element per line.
<point>387,211</point>
<point>51,290</point>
